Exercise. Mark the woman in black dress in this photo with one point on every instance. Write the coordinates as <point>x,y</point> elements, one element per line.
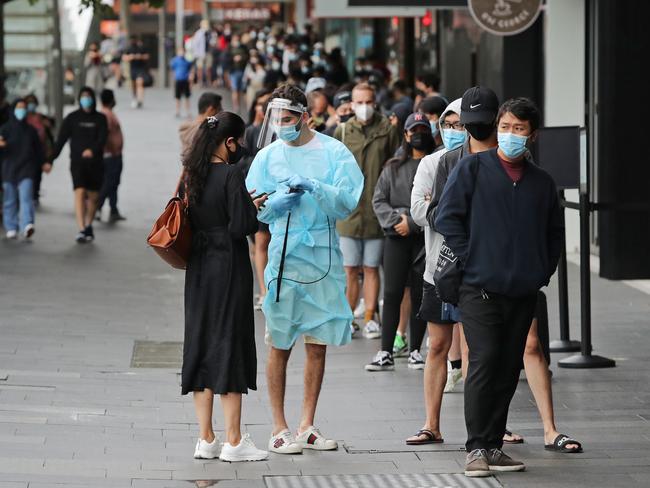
<point>219,352</point>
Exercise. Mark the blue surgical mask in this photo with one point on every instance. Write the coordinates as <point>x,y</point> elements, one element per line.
<point>288,133</point>
<point>434,128</point>
<point>86,102</point>
<point>452,138</point>
<point>31,107</point>
<point>511,144</point>
<point>20,113</point>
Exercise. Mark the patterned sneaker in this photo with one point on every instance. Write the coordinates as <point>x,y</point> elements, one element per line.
<point>453,378</point>
<point>400,346</point>
<point>244,451</point>
<point>284,443</point>
<point>476,464</point>
<point>416,361</point>
<point>372,330</point>
<point>354,328</point>
<point>500,461</point>
<point>383,362</point>
<point>313,439</point>
<point>207,450</point>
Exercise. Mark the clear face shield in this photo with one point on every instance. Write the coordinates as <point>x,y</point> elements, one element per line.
<point>283,120</point>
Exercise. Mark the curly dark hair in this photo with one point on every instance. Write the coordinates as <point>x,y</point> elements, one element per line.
<point>290,92</point>
<point>209,136</point>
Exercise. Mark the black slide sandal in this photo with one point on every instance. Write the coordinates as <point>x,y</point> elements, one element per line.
<point>430,438</point>
<point>559,443</point>
<point>518,441</point>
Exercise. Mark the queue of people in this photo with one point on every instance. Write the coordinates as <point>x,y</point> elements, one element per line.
<point>386,191</point>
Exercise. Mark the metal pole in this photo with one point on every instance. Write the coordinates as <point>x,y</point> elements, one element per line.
<point>57,65</point>
<point>565,344</point>
<point>180,12</point>
<point>162,52</point>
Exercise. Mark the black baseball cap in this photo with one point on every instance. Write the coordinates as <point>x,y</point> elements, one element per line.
<point>433,105</point>
<point>342,97</point>
<point>479,105</point>
<point>415,119</point>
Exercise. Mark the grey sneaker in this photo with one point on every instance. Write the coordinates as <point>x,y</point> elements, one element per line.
<point>476,464</point>
<point>500,461</point>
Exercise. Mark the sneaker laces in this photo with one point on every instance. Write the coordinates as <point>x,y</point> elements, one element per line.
<point>476,454</point>
<point>416,356</point>
<point>371,326</point>
<point>381,355</point>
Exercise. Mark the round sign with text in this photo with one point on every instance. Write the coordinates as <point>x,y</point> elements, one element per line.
<point>505,17</point>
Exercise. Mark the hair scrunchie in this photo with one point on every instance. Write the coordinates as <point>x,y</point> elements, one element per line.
<point>212,121</point>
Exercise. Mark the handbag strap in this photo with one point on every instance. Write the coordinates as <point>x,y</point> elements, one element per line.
<point>181,181</point>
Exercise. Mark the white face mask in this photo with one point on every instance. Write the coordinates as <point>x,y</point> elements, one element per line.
<point>364,112</point>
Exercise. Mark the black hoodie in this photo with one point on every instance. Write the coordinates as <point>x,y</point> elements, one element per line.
<point>23,154</point>
<point>85,130</point>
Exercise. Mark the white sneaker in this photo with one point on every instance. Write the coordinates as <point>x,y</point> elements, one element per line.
<point>360,310</point>
<point>313,439</point>
<point>134,104</point>
<point>454,376</point>
<point>29,231</point>
<point>354,328</point>
<point>372,330</point>
<point>416,361</point>
<point>11,234</point>
<point>284,443</point>
<point>245,451</point>
<point>207,450</point>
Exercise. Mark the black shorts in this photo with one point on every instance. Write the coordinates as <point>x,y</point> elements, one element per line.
<point>431,307</point>
<point>182,89</point>
<point>87,174</point>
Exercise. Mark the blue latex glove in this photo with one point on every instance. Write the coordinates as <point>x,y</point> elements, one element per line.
<point>300,183</point>
<point>284,202</point>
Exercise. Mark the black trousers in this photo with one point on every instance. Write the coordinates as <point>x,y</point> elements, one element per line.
<point>112,175</point>
<point>400,255</point>
<point>495,327</point>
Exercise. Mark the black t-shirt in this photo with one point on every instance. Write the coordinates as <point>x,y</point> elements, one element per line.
<point>137,64</point>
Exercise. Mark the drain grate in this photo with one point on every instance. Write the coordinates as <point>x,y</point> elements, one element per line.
<point>152,354</point>
<point>381,481</point>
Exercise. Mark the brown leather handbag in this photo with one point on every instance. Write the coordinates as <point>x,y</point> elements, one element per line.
<point>171,235</point>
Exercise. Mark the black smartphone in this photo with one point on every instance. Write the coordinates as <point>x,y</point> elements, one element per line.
<point>255,197</point>
<point>295,190</point>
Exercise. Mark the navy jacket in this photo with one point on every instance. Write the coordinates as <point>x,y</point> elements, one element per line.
<point>508,236</point>
<point>23,156</point>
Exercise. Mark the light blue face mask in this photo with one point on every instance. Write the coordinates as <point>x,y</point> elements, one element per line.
<point>86,102</point>
<point>288,133</point>
<point>511,144</point>
<point>20,113</point>
<point>452,138</point>
<point>435,130</point>
<point>31,107</point>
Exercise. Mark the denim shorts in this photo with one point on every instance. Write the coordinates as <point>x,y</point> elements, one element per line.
<point>237,81</point>
<point>362,252</point>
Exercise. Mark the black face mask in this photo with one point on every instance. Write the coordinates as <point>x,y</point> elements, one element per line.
<point>236,155</point>
<point>480,132</point>
<point>422,141</point>
<point>345,118</point>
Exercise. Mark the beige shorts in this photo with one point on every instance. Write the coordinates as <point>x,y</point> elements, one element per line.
<point>307,338</point>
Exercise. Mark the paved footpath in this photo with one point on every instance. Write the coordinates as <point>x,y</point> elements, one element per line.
<point>89,386</point>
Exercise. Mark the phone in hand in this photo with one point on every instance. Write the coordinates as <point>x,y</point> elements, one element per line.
<point>265,194</point>
<point>295,190</point>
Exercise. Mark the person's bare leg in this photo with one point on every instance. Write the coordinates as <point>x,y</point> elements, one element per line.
<point>276,377</point>
<point>464,350</point>
<point>231,405</point>
<point>134,88</point>
<point>203,401</point>
<point>178,107</point>
<point>454,350</point>
<point>371,284</point>
<point>404,312</point>
<point>435,375</point>
<point>262,239</point>
<point>80,207</point>
<point>539,381</point>
<point>352,285</point>
<point>187,107</point>
<point>140,90</point>
<point>90,207</point>
<point>314,371</point>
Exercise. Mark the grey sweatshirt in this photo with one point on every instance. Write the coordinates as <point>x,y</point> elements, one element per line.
<point>392,196</point>
<point>423,187</point>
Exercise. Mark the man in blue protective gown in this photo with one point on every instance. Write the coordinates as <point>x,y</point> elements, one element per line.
<point>312,181</point>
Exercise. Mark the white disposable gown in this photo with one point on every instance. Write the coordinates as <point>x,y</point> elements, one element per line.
<point>319,309</point>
